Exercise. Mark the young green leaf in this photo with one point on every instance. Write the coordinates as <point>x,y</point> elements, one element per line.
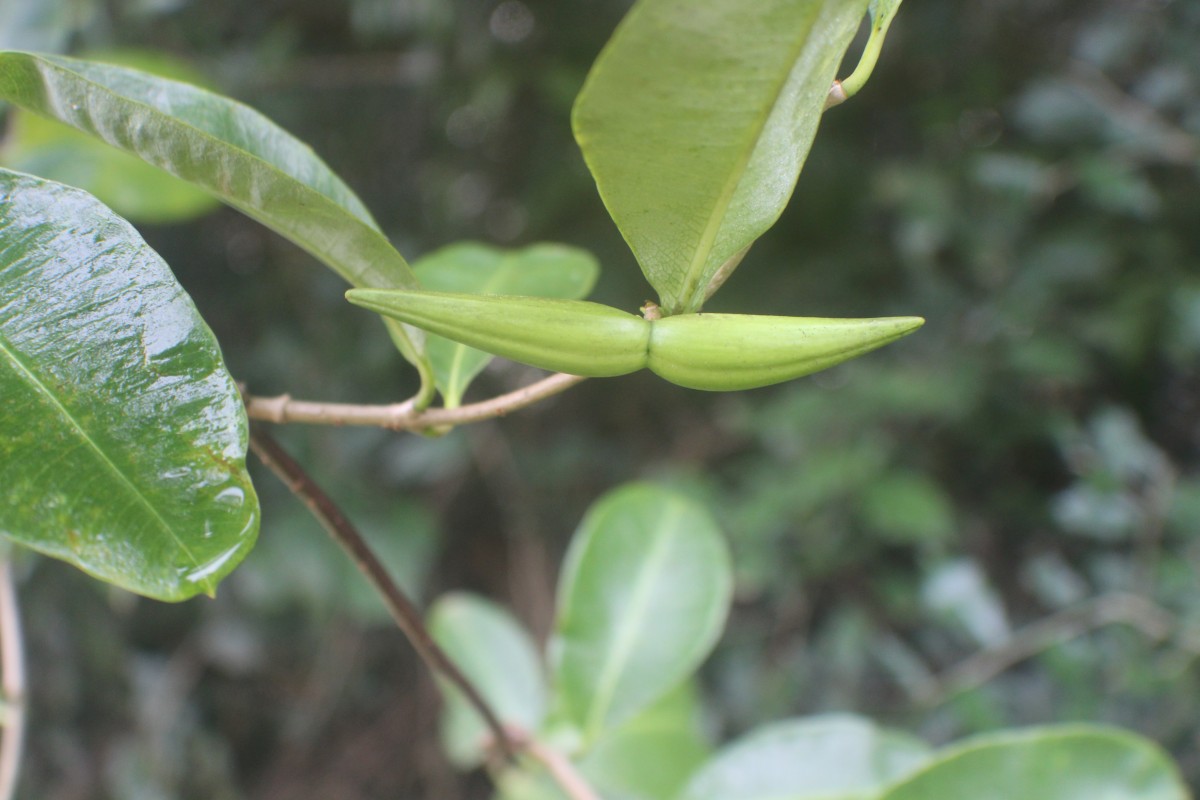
<point>695,121</point>
<point>644,593</point>
<point>498,657</point>
<point>122,437</point>
<point>542,270</point>
<point>712,352</point>
<point>224,147</point>
<point>1069,762</point>
<point>837,756</point>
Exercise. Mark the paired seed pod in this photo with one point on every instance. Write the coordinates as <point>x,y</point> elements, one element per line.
<point>713,352</point>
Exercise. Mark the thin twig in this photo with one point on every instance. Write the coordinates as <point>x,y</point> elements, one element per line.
<point>404,416</point>
<point>403,611</point>
<point>1155,622</point>
<point>12,661</point>
<point>557,765</point>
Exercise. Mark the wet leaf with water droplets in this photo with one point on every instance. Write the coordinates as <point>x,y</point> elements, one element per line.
<point>122,435</point>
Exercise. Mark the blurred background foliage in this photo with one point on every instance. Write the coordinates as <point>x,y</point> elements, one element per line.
<point>995,522</point>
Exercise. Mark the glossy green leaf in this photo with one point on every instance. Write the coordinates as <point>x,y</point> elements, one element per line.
<point>542,270</point>
<point>224,147</point>
<point>643,597</point>
<point>695,122</point>
<point>498,657</point>
<point>126,184</point>
<point>1073,762</point>
<point>651,756</point>
<point>122,437</point>
<point>835,757</point>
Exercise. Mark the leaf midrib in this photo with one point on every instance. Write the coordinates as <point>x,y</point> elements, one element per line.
<point>713,227</point>
<point>627,635</point>
<point>31,378</point>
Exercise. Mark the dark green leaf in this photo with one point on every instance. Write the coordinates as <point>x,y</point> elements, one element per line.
<point>644,594</point>
<point>123,438</point>
<point>222,146</point>
<point>542,270</point>
<point>1059,763</point>
<point>126,184</point>
<point>820,758</point>
<point>696,120</point>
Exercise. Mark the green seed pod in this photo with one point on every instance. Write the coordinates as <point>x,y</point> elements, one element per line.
<point>728,352</point>
<point>572,336</point>
<point>714,352</point>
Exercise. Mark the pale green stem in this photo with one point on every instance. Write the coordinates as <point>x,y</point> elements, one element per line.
<point>870,55</point>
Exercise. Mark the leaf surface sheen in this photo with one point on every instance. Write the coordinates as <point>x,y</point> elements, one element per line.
<point>696,120</point>
<point>122,435</point>
<point>224,147</point>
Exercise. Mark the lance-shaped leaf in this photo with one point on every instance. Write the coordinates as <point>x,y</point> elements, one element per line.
<point>122,436</point>
<point>225,147</point>
<point>137,191</point>
<point>542,270</point>
<point>1070,762</point>
<point>695,121</point>
<point>644,593</point>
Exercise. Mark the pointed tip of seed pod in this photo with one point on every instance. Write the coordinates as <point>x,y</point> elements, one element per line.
<point>730,352</point>
<point>889,329</point>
